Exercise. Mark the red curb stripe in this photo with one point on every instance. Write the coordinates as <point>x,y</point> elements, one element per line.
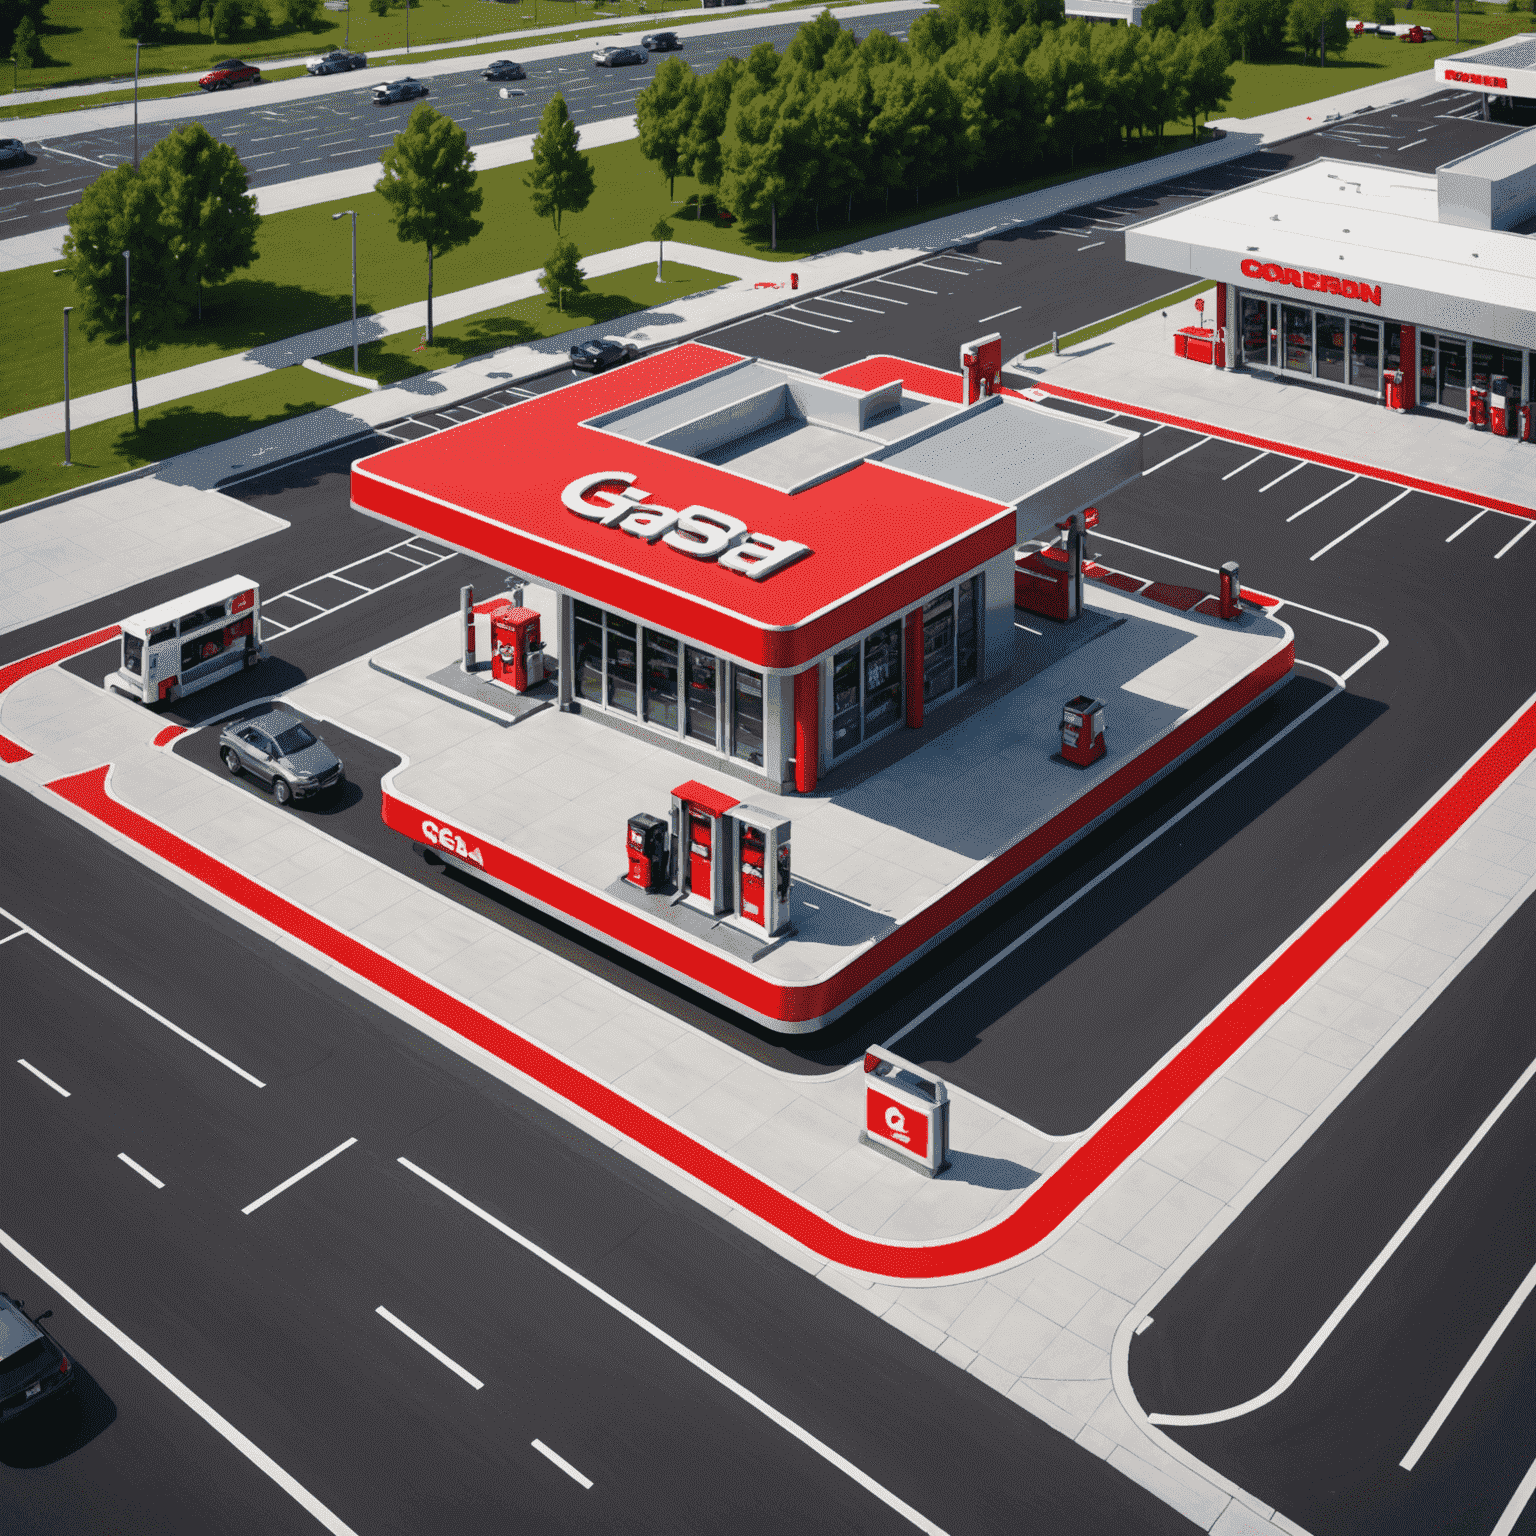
<point>169,734</point>
<point>13,672</point>
<point>1054,1198</point>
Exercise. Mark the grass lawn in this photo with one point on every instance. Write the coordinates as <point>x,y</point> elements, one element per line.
<point>403,356</point>
<point>110,447</point>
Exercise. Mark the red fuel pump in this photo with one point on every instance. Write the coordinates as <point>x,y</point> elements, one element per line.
<point>1527,423</point>
<point>1395,390</point>
<point>647,848</point>
<point>1082,730</point>
<point>762,869</point>
<point>1231,591</point>
<point>517,652</point>
<point>981,368</point>
<point>703,846</point>
<point>1499,418</point>
<point>1477,407</point>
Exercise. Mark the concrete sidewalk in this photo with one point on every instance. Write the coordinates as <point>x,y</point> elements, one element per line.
<point>1135,364</point>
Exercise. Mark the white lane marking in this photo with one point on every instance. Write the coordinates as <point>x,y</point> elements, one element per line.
<point>1358,1289</point>
<point>1150,430</point>
<point>431,1348</point>
<point>882,298</point>
<point>1241,467</point>
<point>562,1463</point>
<point>1475,516</point>
<point>1516,1506</point>
<point>1299,464</point>
<point>1513,542</point>
<point>1018,625</point>
<point>1414,145</point>
<point>1103,875</point>
<point>891,281</point>
<point>774,314</point>
<point>817,314</point>
<point>961,256</point>
<point>950,271</point>
<point>1096,244</point>
<point>1321,499</point>
<point>141,1170</point>
<point>1286,602</point>
<point>20,933</point>
<point>288,1183</point>
<point>42,1077</point>
<point>1172,456</point>
<point>843,1465</point>
<point>999,315</point>
<point>215,1420</point>
<point>1334,543</point>
<point>393,549</point>
<point>1469,1370</point>
<point>1143,1325</point>
<point>128,997</point>
<point>844,304</point>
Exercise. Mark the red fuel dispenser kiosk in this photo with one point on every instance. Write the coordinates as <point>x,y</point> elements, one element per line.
<point>1500,417</point>
<point>981,368</point>
<point>762,870</point>
<point>647,846</point>
<point>1082,730</point>
<point>1231,590</point>
<point>1477,406</point>
<point>1050,581</point>
<point>517,652</point>
<point>906,1115</point>
<point>703,846</point>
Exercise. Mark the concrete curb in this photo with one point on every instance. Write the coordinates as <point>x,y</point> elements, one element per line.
<point>79,490</point>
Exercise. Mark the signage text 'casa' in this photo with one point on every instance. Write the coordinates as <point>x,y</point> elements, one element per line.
<point>700,532</point>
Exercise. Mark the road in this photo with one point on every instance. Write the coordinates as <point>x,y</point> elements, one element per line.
<point>272,1316</point>
<point>288,140</point>
<point>1328,1451</point>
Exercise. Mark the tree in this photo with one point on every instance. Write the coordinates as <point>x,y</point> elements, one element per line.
<point>664,113</point>
<point>1202,59</point>
<point>26,49</point>
<point>704,148</point>
<point>120,212</point>
<point>1309,18</point>
<point>260,18</point>
<point>228,20</point>
<point>379,7</point>
<point>301,15</point>
<point>137,18</point>
<point>1383,14</point>
<point>562,273</point>
<point>661,232</point>
<point>1255,29</point>
<point>209,213</point>
<point>561,180</point>
<point>429,184</point>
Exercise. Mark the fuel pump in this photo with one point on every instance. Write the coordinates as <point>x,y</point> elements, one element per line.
<point>763,876</point>
<point>517,652</point>
<point>981,368</point>
<point>1082,730</point>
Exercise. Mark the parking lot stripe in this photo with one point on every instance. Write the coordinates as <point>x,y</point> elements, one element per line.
<point>883,298</point>
<point>1516,1506</point>
<point>1241,467</point>
<point>778,314</point>
<point>289,1182</point>
<point>142,1171</point>
<point>1475,516</point>
<point>844,304</point>
<point>42,1077</point>
<point>912,287</point>
<point>432,1349</point>
<point>562,1463</point>
<point>1334,543</point>
<point>1299,464</point>
<point>1513,542</point>
<point>1321,499</point>
<point>999,315</point>
<point>1172,456</point>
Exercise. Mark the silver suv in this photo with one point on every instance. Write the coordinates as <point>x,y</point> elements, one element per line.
<point>277,748</point>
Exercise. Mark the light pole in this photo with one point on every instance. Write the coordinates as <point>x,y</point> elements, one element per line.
<point>407,26</point>
<point>352,214</point>
<point>136,46</point>
<point>67,309</point>
<point>348,43</point>
<point>133,371</point>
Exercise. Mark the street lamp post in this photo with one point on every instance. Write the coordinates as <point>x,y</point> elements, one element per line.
<point>352,214</point>
<point>407,26</point>
<point>67,309</point>
<point>348,43</point>
<point>133,372</point>
<point>136,46</point>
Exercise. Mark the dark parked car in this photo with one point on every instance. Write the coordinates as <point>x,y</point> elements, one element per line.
<point>398,90</point>
<point>594,356</point>
<point>611,56</point>
<point>12,152</point>
<point>338,61</point>
<point>504,69</point>
<point>33,1369</point>
<point>661,42</point>
<point>230,72</point>
<point>277,748</point>
<point>710,4</point>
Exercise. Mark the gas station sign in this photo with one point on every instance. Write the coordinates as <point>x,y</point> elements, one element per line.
<point>906,1114</point>
<point>1312,282</point>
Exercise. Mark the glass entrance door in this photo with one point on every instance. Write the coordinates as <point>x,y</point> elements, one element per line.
<point>1453,374</point>
<point>1330,348</point>
<point>1296,332</point>
<point>1365,354</point>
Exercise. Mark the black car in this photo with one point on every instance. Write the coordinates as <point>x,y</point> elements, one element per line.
<point>277,748</point>
<point>12,152</point>
<point>661,42</point>
<point>337,62</point>
<point>610,56</point>
<point>594,356</point>
<point>33,1369</point>
<point>504,69</point>
<point>398,90</point>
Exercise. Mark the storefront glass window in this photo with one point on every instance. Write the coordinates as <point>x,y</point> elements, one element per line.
<point>1255,330</point>
<point>939,646</point>
<point>845,701</point>
<point>747,716</point>
<point>1330,348</point>
<point>701,695</point>
<point>967,649</point>
<point>882,678</point>
<point>661,680</point>
<point>621,664</point>
<point>1365,354</point>
<point>1490,362</point>
<point>1429,369</point>
<point>1392,358</point>
<point>1453,374</point>
<point>1296,326</point>
<point>589,653</point>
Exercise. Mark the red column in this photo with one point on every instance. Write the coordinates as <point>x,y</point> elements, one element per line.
<point>1218,350</point>
<point>807,728</point>
<point>1409,358</point>
<point>914,669</point>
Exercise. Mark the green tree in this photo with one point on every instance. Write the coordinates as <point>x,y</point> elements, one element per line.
<point>379,7</point>
<point>11,14</point>
<point>25,48</point>
<point>301,15</point>
<point>429,184</point>
<point>137,18</point>
<point>261,18</point>
<point>208,210</point>
<point>1202,60</point>
<point>661,232</point>
<point>1255,29</point>
<point>1310,18</point>
<point>1065,75</point>
<point>704,150</point>
<point>1384,16</point>
<point>664,113</point>
<point>120,212</point>
<point>561,180</point>
<point>562,276</point>
<point>228,20</point>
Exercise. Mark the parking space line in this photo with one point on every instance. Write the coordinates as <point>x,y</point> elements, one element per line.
<point>1513,542</point>
<point>999,315</point>
<point>1172,456</point>
<point>128,997</point>
<point>1516,1506</point>
<point>777,314</point>
<point>42,1077</point>
<point>1241,467</point>
<point>950,271</point>
<point>562,1463</point>
<point>1469,1370</point>
<point>289,1182</point>
<point>962,256</point>
<point>1299,464</point>
<point>818,314</point>
<point>884,298</point>
<point>1334,543</point>
<point>1096,244</point>
<point>912,287</point>
<point>141,1170</point>
<point>844,304</point>
<point>432,1349</point>
<point>1414,145</point>
<point>1321,499</point>
<point>1475,516</point>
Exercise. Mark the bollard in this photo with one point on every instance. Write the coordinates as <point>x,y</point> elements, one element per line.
<point>1055,345</point>
<point>467,612</point>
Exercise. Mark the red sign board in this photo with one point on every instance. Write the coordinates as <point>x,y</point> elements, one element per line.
<point>897,1123</point>
<point>1313,282</point>
<point>1498,82</point>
